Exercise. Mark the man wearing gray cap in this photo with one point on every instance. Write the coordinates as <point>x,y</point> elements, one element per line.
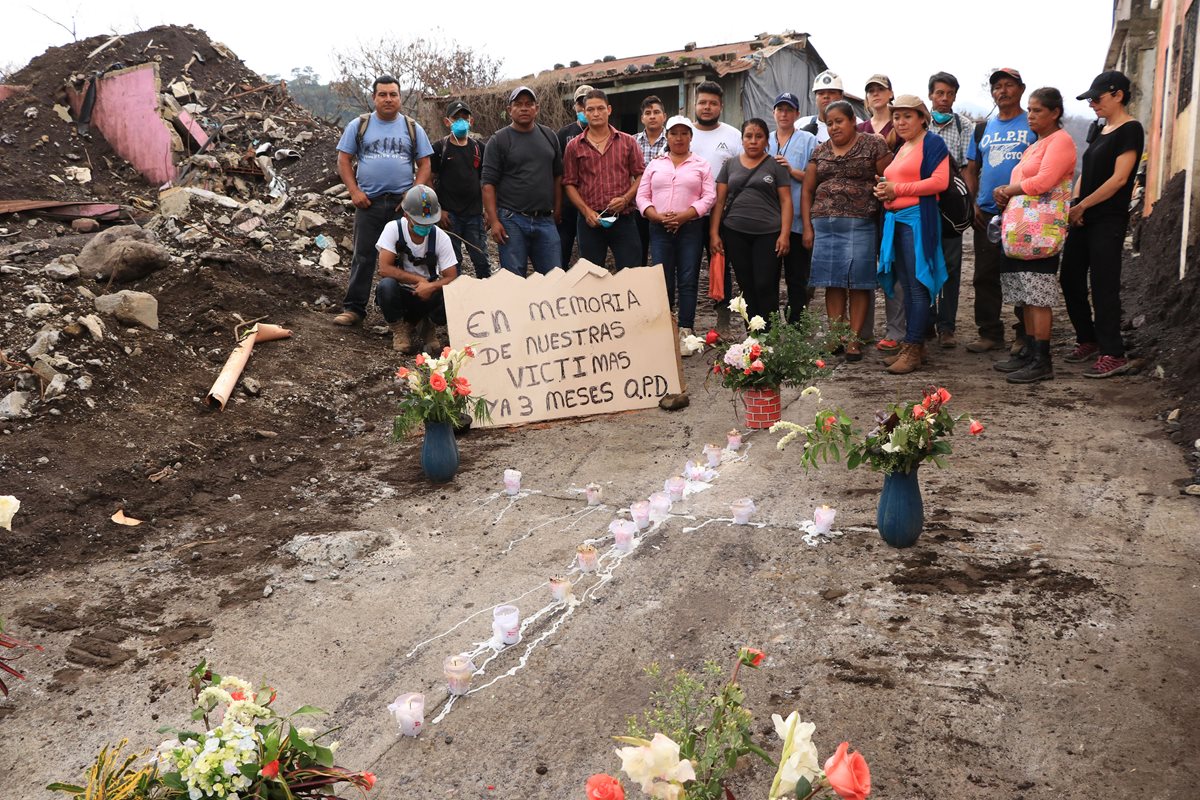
<point>522,188</point>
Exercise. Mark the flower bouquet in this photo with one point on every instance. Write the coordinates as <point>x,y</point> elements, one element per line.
<point>433,391</point>
<point>251,752</point>
<point>698,738</point>
<point>771,356</point>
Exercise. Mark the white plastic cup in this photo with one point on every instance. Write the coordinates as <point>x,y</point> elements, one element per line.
<point>823,519</point>
<point>640,512</point>
<point>733,441</point>
<point>560,588</point>
<point>674,487</point>
<point>742,508</point>
<point>623,532</point>
<point>458,670</point>
<point>506,622</point>
<point>595,494</point>
<point>660,506</point>
<point>713,454</point>
<point>409,711</point>
<point>588,558</point>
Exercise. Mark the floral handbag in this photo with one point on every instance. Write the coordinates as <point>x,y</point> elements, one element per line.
<point>1035,226</point>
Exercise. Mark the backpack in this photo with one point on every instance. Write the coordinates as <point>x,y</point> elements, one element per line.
<point>476,153</point>
<point>365,119</point>
<point>430,259</point>
<point>956,205</point>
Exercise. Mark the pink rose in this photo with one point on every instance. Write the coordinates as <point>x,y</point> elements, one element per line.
<point>918,412</point>
<point>420,359</point>
<point>751,657</point>
<point>848,774</point>
<point>711,337</point>
<point>270,770</point>
<point>820,364</point>
<point>437,382</point>
<point>604,787</point>
<point>976,427</point>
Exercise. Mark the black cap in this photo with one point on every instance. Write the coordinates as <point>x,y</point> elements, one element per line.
<point>457,107</point>
<point>1106,82</point>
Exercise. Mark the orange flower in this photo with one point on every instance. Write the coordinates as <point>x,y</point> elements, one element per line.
<point>237,694</point>
<point>446,351</point>
<point>402,373</point>
<point>828,424</point>
<point>820,364</point>
<point>437,382</point>
<point>461,387</point>
<point>943,395</point>
<point>369,780</point>
<point>976,427</point>
<point>848,774</point>
<point>750,656</point>
<point>717,369</point>
<point>470,351</point>
<point>711,337</point>
<point>604,787</point>
<point>758,365</point>
<point>755,351</point>
<point>420,359</point>
<point>918,412</point>
<point>270,770</point>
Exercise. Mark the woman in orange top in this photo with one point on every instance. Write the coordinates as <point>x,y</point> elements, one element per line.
<point>1034,283</point>
<point>911,246</point>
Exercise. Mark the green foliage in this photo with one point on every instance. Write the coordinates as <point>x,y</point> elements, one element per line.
<point>433,391</point>
<point>781,354</point>
<point>111,778</point>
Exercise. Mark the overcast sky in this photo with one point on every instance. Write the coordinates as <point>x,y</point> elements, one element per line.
<point>1059,43</point>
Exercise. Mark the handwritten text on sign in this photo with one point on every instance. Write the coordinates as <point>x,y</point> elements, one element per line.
<point>565,344</point>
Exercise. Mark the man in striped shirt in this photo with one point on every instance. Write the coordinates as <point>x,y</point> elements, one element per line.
<point>601,171</point>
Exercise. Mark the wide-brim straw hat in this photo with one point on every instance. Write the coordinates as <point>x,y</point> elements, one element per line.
<point>910,101</point>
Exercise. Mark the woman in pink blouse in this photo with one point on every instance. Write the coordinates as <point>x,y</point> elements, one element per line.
<point>1034,284</point>
<point>676,191</point>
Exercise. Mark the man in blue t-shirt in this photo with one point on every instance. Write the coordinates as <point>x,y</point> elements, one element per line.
<point>393,154</point>
<point>991,156</point>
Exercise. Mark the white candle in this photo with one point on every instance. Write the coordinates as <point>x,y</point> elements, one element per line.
<point>713,454</point>
<point>623,531</point>
<point>512,481</point>
<point>640,511</point>
<point>409,711</point>
<point>595,494</point>
<point>660,506</point>
<point>560,588</point>
<point>506,622</point>
<point>458,671</point>
<point>675,487</point>
<point>823,519</point>
<point>588,557</point>
<point>742,508</point>
<point>733,440</point>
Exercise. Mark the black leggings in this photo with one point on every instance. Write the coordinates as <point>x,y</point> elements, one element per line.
<point>1094,251</point>
<point>757,268</point>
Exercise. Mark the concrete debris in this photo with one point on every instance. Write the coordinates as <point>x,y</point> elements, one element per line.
<point>1173,416</point>
<point>132,308</point>
<point>330,259</point>
<point>57,386</point>
<point>12,406</point>
<point>308,220</point>
<point>62,268</point>
<point>123,253</point>
<point>43,343</point>
<point>78,174</point>
<point>38,310</point>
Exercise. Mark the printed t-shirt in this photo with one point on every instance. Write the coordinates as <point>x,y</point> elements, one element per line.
<point>999,151</point>
<point>756,208</point>
<point>385,163</point>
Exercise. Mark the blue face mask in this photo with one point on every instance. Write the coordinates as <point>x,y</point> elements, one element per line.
<point>579,115</point>
<point>420,230</point>
<point>459,128</point>
<point>942,119</point>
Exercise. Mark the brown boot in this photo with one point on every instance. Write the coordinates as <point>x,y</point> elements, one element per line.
<point>909,360</point>
<point>402,336</point>
<point>348,319</point>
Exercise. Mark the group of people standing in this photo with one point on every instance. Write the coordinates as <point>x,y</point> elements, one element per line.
<point>826,201</point>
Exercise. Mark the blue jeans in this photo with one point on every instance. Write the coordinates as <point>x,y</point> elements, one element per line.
<point>679,253</point>
<point>622,238</point>
<point>399,303</point>
<point>529,239</point>
<point>916,294</point>
<point>368,224</point>
<point>945,307</point>
<point>470,228</point>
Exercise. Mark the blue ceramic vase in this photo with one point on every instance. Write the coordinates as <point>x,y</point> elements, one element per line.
<point>901,513</point>
<point>439,452</point>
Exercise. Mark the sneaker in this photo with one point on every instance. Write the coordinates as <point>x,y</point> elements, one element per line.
<point>1107,367</point>
<point>947,340</point>
<point>983,344</point>
<point>887,346</point>
<point>348,319</point>
<point>1084,351</point>
<point>683,348</point>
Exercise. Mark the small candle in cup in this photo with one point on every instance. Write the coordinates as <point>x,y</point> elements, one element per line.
<point>713,454</point>
<point>560,588</point>
<point>512,481</point>
<point>458,671</point>
<point>409,711</point>
<point>675,487</point>
<point>588,557</point>
<point>506,622</point>
<point>823,519</point>
<point>595,494</point>
<point>623,531</point>
<point>660,506</point>
<point>640,511</point>
<point>742,508</point>
<point>733,440</point>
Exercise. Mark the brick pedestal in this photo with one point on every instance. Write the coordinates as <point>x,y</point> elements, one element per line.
<point>763,407</point>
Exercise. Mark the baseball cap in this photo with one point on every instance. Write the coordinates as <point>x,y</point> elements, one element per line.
<point>910,101</point>
<point>582,91</point>
<point>1005,72</point>
<point>678,120</point>
<point>786,97</point>
<point>421,203</point>
<point>517,92</point>
<point>881,79</point>
<point>828,80</point>
<point>457,107</point>
<point>1106,82</point>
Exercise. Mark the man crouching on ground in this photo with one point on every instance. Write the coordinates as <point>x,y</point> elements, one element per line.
<point>415,262</point>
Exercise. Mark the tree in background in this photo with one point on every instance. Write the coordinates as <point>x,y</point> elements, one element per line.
<point>321,99</point>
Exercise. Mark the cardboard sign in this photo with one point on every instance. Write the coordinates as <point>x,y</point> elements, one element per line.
<point>565,344</point>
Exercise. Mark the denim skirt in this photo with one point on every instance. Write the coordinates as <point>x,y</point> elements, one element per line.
<point>845,253</point>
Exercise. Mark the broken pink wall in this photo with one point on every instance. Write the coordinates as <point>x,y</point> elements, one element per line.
<point>126,113</point>
<point>7,90</point>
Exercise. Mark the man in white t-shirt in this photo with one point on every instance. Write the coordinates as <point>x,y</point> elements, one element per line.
<point>827,87</point>
<point>415,261</point>
<point>716,142</point>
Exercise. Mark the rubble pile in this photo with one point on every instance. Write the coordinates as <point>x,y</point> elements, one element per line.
<point>253,186</point>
